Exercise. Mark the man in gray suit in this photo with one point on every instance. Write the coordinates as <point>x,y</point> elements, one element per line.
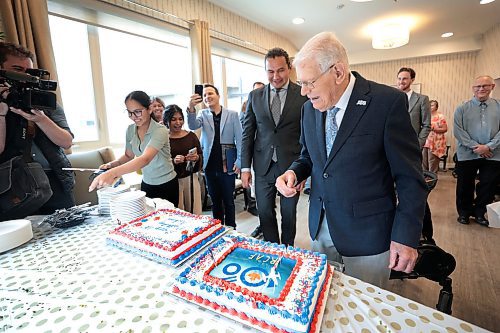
<point>271,131</point>
<point>419,106</point>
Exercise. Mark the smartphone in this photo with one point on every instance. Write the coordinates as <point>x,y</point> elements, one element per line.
<point>192,150</point>
<point>198,89</point>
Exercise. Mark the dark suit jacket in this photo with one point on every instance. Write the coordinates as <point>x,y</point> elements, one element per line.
<point>420,116</point>
<point>260,135</point>
<point>375,149</point>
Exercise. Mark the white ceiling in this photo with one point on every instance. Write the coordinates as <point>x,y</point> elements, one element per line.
<point>467,19</point>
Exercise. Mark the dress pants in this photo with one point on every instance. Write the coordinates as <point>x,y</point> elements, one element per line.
<point>185,197</point>
<point>372,269</point>
<point>168,191</point>
<point>221,189</point>
<point>489,177</point>
<point>430,161</point>
<point>265,194</point>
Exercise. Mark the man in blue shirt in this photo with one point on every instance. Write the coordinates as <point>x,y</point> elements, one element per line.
<point>477,130</point>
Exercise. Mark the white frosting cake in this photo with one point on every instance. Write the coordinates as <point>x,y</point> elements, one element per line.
<point>168,236</point>
<point>265,285</point>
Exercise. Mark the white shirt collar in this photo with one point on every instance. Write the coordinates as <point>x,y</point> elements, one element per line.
<point>285,87</point>
<point>344,99</point>
<point>408,93</point>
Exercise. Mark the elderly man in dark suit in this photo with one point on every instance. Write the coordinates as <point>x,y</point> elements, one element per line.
<point>271,131</point>
<point>357,143</point>
<point>418,105</point>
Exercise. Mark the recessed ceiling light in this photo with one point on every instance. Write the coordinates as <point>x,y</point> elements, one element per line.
<point>298,20</point>
<point>484,2</point>
<point>447,34</point>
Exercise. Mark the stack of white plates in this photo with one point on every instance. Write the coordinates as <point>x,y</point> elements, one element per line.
<point>105,194</point>
<point>128,206</point>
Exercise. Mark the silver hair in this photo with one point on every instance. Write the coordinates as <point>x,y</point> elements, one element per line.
<point>324,49</point>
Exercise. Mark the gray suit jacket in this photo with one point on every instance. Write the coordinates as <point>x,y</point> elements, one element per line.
<point>420,116</point>
<point>261,136</point>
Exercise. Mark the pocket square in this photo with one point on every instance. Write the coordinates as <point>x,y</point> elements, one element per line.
<point>361,102</point>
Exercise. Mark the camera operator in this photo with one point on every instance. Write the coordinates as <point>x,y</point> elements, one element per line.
<point>52,133</point>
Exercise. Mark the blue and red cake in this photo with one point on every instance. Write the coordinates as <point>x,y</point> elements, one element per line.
<point>166,235</point>
<point>265,285</point>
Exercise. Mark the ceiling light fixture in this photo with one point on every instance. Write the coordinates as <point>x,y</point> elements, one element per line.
<point>361,0</point>
<point>298,20</point>
<point>447,34</point>
<point>484,2</point>
<point>390,36</point>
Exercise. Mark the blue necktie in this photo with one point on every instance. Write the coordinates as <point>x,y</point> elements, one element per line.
<point>331,129</point>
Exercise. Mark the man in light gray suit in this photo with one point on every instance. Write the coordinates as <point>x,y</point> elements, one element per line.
<point>419,106</point>
<point>271,132</point>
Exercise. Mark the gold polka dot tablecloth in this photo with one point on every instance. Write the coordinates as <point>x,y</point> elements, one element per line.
<point>69,280</point>
<point>356,306</point>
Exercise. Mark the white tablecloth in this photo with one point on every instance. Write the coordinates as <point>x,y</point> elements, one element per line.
<point>69,280</point>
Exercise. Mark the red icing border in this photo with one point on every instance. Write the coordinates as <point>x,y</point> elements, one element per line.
<point>226,285</point>
<point>119,232</point>
<point>254,321</point>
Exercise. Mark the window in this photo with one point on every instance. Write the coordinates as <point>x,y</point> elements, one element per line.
<point>240,77</point>
<point>235,80</point>
<point>100,58</point>
<point>75,76</point>
<point>135,63</point>
<point>111,64</point>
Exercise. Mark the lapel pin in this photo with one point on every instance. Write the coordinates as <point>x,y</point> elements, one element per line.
<point>361,102</point>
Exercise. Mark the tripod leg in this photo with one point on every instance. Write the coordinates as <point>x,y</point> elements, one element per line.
<point>445,297</point>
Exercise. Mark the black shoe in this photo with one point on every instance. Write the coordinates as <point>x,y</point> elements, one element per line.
<point>463,219</point>
<point>253,210</point>
<point>307,191</point>
<point>257,233</point>
<point>482,221</point>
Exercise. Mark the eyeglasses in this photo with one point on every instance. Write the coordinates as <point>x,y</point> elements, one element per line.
<point>136,113</point>
<point>484,86</point>
<point>310,84</point>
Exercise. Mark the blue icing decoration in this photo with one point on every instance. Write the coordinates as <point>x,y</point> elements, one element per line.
<point>209,288</point>
<point>261,306</point>
<point>202,286</point>
<point>255,271</point>
<point>272,310</point>
<point>241,299</point>
<point>285,314</point>
<point>296,318</point>
<point>230,295</point>
<point>218,292</point>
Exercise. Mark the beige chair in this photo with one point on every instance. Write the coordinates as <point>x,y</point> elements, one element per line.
<point>88,160</point>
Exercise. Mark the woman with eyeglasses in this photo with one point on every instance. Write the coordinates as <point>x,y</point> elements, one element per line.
<point>147,147</point>
<point>187,157</point>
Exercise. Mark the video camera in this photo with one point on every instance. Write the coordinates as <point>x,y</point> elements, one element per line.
<point>28,91</point>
